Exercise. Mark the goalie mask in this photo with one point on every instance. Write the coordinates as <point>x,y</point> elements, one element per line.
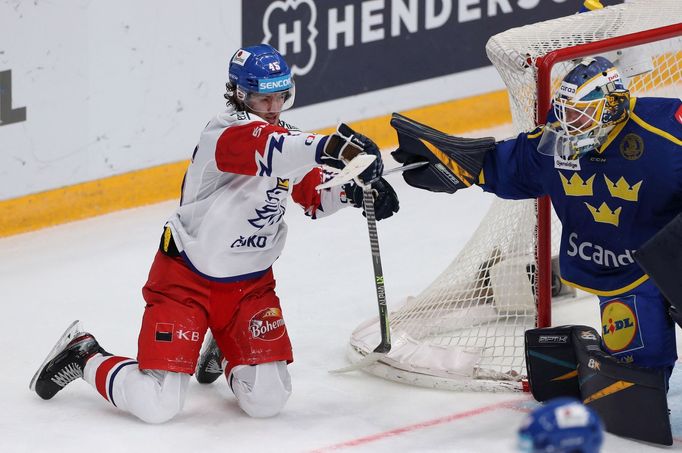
<point>590,101</point>
<point>562,425</point>
<point>260,80</point>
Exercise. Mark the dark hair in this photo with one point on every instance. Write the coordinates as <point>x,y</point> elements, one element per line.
<point>231,97</point>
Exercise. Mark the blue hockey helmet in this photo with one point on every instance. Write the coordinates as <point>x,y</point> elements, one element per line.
<point>260,78</point>
<point>590,101</point>
<point>561,425</point>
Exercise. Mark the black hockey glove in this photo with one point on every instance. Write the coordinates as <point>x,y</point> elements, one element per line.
<point>344,144</point>
<point>385,199</point>
<point>453,162</point>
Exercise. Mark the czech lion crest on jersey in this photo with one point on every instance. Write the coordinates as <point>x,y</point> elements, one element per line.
<point>274,209</point>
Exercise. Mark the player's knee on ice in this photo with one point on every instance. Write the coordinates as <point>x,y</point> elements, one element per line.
<point>262,390</point>
<point>155,396</point>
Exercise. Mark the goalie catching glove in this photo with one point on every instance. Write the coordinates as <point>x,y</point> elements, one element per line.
<point>344,144</point>
<point>453,162</point>
<point>385,199</point>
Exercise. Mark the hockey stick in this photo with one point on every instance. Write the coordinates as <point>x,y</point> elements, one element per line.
<point>385,345</point>
<point>343,176</point>
<point>405,167</point>
<point>352,169</point>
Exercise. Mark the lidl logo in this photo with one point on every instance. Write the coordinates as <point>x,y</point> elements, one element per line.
<point>619,326</point>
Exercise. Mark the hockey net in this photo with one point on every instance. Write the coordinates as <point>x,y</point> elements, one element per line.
<point>465,331</point>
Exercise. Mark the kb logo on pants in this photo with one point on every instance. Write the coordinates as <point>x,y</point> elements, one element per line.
<point>166,332</point>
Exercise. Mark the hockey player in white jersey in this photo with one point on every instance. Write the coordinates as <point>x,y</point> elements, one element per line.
<point>213,269</point>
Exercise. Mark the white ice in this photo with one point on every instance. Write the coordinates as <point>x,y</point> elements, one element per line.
<point>93,270</point>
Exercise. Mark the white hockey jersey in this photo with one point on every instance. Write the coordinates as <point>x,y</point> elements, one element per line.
<point>230,223</point>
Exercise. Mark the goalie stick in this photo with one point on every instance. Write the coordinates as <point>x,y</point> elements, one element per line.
<point>385,345</point>
<point>405,168</point>
<point>343,177</point>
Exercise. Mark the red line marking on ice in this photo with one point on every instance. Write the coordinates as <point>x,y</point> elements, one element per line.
<point>422,425</point>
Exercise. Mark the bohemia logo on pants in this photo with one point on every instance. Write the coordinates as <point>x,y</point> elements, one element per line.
<point>267,325</point>
<point>619,325</point>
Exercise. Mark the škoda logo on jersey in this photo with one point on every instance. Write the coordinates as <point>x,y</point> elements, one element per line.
<point>267,325</point>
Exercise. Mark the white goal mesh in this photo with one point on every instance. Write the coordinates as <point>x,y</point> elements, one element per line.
<point>465,330</point>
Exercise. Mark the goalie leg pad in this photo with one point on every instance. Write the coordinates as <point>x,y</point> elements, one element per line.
<point>262,390</point>
<point>631,400</point>
<point>551,363</point>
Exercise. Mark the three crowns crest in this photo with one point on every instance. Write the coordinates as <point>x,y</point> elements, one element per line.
<point>603,214</point>
<point>621,189</point>
<point>576,187</point>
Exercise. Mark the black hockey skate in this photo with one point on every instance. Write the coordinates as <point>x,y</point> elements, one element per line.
<point>65,362</point>
<point>210,366</point>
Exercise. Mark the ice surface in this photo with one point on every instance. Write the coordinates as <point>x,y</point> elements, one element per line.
<point>93,270</point>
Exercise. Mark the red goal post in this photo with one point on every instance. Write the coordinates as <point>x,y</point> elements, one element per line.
<point>465,330</point>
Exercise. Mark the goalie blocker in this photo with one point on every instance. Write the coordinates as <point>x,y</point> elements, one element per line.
<point>660,258</point>
<point>569,361</point>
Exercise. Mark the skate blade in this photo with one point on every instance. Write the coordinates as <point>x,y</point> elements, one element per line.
<point>208,339</point>
<point>69,334</point>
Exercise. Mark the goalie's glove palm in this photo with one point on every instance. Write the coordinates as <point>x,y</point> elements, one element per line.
<point>344,144</point>
<point>453,162</point>
<point>385,199</point>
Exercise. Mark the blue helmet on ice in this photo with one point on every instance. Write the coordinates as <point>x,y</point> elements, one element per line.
<point>590,101</point>
<point>562,425</point>
<point>258,74</point>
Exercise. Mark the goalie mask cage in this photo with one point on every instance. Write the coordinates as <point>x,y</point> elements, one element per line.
<point>465,331</point>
